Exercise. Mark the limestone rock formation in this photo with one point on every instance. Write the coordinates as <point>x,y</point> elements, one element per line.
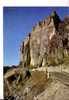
<point>48,43</point>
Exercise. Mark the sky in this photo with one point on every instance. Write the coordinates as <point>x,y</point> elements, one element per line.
<point>17,23</point>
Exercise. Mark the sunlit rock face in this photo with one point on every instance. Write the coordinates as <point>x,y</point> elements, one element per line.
<point>25,52</point>
<point>47,43</point>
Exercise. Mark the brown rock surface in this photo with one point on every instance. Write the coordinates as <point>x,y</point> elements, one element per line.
<point>48,40</point>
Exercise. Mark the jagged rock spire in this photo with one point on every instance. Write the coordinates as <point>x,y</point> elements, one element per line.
<point>56,19</point>
<point>46,42</point>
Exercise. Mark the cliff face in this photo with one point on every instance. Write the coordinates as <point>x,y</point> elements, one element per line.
<point>48,43</point>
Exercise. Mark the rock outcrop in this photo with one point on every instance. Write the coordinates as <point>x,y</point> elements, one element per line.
<point>48,43</point>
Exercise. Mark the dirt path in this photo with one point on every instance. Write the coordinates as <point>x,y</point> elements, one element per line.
<point>61,76</point>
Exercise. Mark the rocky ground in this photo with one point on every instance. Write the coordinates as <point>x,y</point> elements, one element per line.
<point>45,52</point>
<point>38,87</point>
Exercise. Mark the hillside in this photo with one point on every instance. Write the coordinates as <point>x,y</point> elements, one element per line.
<point>43,69</point>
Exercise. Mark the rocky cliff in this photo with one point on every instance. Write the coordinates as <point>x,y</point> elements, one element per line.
<point>47,44</point>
